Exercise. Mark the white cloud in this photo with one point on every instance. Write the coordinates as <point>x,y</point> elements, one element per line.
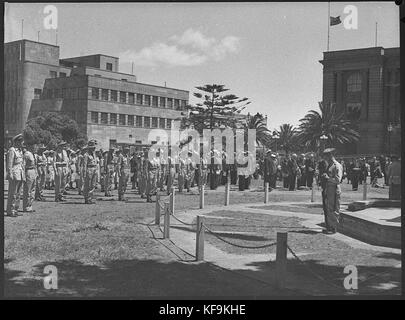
<point>192,48</point>
<point>162,53</point>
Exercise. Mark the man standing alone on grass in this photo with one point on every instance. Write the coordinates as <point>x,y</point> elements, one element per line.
<point>333,178</point>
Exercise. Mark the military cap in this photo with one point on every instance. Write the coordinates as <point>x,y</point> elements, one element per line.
<point>62,143</point>
<point>18,137</point>
<point>41,147</point>
<point>91,144</point>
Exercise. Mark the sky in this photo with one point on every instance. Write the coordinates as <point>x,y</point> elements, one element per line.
<point>267,52</point>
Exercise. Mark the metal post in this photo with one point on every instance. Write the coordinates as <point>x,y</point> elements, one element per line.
<point>199,249</point>
<point>172,197</point>
<point>313,190</point>
<point>227,188</point>
<point>202,190</point>
<point>266,192</point>
<point>157,210</point>
<point>166,230</point>
<point>365,189</point>
<point>281,259</point>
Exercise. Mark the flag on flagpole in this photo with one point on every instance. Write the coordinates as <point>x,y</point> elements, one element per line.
<point>335,20</point>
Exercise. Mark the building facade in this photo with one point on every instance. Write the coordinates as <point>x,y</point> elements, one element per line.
<point>109,106</point>
<point>364,84</point>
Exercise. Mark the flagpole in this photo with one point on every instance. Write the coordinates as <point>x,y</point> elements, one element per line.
<point>376,33</point>
<point>328,24</point>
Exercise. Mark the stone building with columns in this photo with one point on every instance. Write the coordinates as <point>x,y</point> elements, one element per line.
<point>109,106</point>
<point>364,84</point>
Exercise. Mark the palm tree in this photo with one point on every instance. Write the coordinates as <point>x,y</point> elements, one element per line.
<point>263,135</point>
<point>287,137</point>
<point>329,122</point>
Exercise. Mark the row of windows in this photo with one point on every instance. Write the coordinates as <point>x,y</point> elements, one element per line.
<point>130,120</point>
<point>115,96</point>
<point>136,98</point>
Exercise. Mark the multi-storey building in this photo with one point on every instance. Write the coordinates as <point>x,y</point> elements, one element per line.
<point>364,84</point>
<point>109,106</point>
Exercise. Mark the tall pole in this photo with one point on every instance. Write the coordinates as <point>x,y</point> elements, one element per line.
<point>38,36</point>
<point>56,36</point>
<point>376,33</point>
<point>22,28</point>
<point>328,24</point>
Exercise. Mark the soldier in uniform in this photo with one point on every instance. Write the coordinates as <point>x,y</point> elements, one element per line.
<point>15,175</point>
<point>101,170</point>
<point>108,171</point>
<point>310,170</point>
<point>80,170</point>
<point>152,169</point>
<point>124,172</point>
<point>171,175</point>
<point>394,178</point>
<point>162,170</point>
<point>61,161</point>
<point>144,173</point>
<point>41,161</point>
<point>355,174</point>
<point>189,170</point>
<point>333,178</point>
<point>50,169</point>
<point>181,173</point>
<point>90,172</point>
<point>134,170</point>
<point>30,178</point>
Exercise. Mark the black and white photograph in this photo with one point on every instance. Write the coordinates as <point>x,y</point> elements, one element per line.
<point>202,150</point>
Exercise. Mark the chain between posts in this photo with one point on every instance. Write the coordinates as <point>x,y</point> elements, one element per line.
<point>238,245</point>
<point>185,223</point>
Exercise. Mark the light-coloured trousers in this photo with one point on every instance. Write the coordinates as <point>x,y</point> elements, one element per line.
<point>14,190</point>
<point>123,182</point>
<point>90,183</point>
<point>333,193</point>
<point>29,189</point>
<point>40,182</point>
<point>60,181</point>
<point>108,181</point>
<point>151,183</point>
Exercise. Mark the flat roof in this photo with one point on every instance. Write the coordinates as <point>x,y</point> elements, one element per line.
<point>27,40</point>
<point>90,55</point>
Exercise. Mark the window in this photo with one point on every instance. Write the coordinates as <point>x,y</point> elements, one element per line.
<point>37,93</point>
<point>353,110</point>
<point>138,141</point>
<point>147,100</point>
<point>154,122</point>
<point>113,118</point>
<point>104,94</point>
<point>104,118</point>
<point>130,120</point>
<point>170,103</point>
<point>62,74</point>
<point>108,66</point>
<point>176,103</point>
<point>354,83</point>
<point>183,104</point>
<point>131,98</point>
<point>161,123</point>
<point>139,98</point>
<point>122,119</point>
<point>53,74</point>
<point>49,93</point>
<point>94,117</point>
<point>138,121</point>
<point>154,101</point>
<point>163,102</point>
<point>123,97</point>
<point>74,93</point>
<point>146,122</point>
<point>64,93</point>
<point>57,93</point>
<point>114,95</point>
<point>95,93</point>
<point>169,123</point>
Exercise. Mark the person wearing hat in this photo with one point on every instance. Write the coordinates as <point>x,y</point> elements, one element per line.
<point>74,173</point>
<point>269,169</point>
<point>15,175</point>
<point>153,166</point>
<point>61,161</point>
<point>333,178</point>
<point>90,161</point>
<point>310,170</point>
<point>124,172</point>
<point>143,165</point>
<point>100,169</point>
<point>50,171</point>
<point>30,177</point>
<point>394,178</point>
<point>190,166</point>
<point>80,169</point>
<point>41,162</point>
<point>134,170</point>
<point>293,172</point>
<point>109,164</point>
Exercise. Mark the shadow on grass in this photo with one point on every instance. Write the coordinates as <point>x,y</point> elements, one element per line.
<point>153,278</point>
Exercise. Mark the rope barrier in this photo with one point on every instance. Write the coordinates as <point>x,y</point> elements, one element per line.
<point>185,223</point>
<point>238,245</point>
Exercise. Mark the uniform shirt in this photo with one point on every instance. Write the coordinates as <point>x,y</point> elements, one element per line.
<point>30,164</point>
<point>61,158</point>
<point>124,163</point>
<point>41,160</point>
<point>90,160</point>
<point>15,164</point>
<point>335,172</point>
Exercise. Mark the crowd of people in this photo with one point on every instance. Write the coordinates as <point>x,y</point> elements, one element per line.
<point>33,168</point>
